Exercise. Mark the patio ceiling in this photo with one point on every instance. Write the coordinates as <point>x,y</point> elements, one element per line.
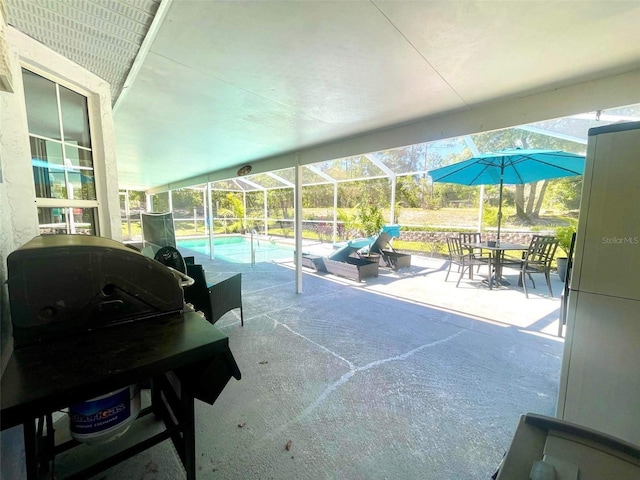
<point>217,85</point>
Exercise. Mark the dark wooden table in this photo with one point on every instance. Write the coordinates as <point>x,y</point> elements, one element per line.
<point>47,377</point>
<point>496,251</point>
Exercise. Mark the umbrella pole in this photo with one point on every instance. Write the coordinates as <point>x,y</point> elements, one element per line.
<point>480,208</point>
<point>499,210</point>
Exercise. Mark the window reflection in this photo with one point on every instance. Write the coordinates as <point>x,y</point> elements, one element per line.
<point>42,106</point>
<point>62,164</point>
<point>55,177</point>
<point>67,220</point>
<point>61,157</point>
<point>75,119</point>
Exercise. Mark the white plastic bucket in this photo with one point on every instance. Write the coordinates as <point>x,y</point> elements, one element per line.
<point>105,418</point>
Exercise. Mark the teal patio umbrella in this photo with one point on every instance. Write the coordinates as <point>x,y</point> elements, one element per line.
<point>511,167</point>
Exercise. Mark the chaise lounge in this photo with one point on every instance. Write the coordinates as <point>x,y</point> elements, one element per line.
<point>361,258</point>
<point>389,257</point>
<point>345,261</point>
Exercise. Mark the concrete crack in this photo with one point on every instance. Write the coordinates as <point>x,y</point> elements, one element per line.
<point>330,352</point>
<point>351,366</point>
<point>334,386</point>
<point>352,371</point>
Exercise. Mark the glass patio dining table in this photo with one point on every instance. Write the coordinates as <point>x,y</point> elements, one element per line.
<point>496,251</point>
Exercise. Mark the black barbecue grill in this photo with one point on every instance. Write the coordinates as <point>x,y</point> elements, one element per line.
<point>64,284</point>
<point>92,316</point>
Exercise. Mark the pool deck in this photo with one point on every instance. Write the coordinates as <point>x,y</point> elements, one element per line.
<point>403,376</point>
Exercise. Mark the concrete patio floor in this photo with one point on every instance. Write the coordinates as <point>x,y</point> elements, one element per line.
<point>403,376</point>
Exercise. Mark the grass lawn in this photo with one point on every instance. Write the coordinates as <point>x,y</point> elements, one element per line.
<point>456,217</point>
<point>468,217</point>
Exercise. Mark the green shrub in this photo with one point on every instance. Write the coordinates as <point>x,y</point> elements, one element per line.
<point>490,216</point>
<point>564,234</point>
<point>369,219</point>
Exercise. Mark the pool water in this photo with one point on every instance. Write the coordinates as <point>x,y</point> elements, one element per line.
<point>238,249</point>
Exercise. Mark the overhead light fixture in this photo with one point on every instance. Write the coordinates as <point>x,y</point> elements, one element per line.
<point>242,171</point>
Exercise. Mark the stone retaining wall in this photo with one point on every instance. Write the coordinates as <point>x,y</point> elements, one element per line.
<point>441,237</point>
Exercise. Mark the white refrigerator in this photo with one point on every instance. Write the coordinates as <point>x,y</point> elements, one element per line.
<point>600,377</point>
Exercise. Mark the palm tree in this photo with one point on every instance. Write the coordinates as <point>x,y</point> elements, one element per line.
<point>234,211</point>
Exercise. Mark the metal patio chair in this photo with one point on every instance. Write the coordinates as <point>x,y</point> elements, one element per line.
<point>465,260</point>
<point>468,238</point>
<point>538,259</point>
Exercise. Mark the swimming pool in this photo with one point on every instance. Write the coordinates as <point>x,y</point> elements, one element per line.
<point>237,249</point>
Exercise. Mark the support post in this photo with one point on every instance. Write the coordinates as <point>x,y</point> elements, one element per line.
<point>127,212</point>
<point>392,207</point>
<point>244,210</point>
<point>266,218</point>
<point>210,203</point>
<point>297,223</point>
<point>335,212</point>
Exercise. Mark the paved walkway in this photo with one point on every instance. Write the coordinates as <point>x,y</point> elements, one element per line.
<point>403,376</point>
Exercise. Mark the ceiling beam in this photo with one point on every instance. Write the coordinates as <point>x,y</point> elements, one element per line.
<point>609,92</point>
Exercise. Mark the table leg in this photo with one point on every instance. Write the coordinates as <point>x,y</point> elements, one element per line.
<point>31,448</point>
<point>495,275</point>
<point>498,268</point>
<point>189,434</point>
<point>47,444</point>
<point>156,398</point>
